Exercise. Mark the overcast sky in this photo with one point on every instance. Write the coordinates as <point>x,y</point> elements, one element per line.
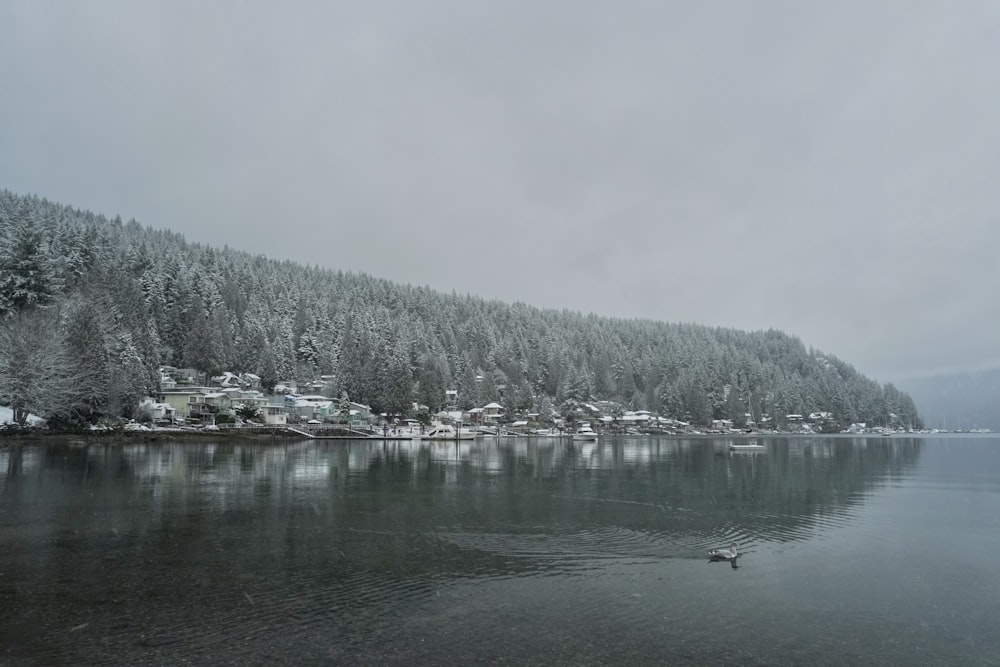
<point>827,169</point>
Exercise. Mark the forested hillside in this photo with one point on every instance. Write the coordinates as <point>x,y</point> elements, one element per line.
<point>92,307</point>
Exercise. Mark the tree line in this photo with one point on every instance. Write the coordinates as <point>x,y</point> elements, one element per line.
<point>91,307</point>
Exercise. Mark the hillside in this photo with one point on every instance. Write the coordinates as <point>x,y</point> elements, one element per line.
<point>94,306</point>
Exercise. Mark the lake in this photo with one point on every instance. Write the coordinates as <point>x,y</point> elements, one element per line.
<point>513,551</point>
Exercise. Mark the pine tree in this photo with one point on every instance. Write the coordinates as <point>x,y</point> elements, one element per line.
<point>128,378</point>
<point>432,388</point>
<point>27,275</point>
<point>396,397</point>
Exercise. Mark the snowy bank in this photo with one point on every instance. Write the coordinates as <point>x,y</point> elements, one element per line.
<point>7,417</point>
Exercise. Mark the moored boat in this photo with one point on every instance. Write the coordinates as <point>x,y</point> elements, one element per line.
<point>448,432</point>
<point>746,447</point>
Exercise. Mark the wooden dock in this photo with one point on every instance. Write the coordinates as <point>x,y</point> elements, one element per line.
<point>322,432</point>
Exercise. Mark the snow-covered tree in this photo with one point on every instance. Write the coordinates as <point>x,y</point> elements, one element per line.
<point>27,273</point>
<point>88,330</point>
<point>34,367</point>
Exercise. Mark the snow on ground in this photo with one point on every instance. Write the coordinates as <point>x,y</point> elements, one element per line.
<point>7,416</point>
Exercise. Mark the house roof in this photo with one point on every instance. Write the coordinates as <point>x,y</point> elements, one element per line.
<point>493,406</point>
<point>309,403</point>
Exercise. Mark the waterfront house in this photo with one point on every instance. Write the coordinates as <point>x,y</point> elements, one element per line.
<point>311,406</point>
<point>638,418</point>
<point>158,412</point>
<point>188,402</point>
<point>474,416</point>
<point>722,424</point>
<point>274,415</point>
<point>218,401</point>
<point>492,413</point>
<point>361,411</point>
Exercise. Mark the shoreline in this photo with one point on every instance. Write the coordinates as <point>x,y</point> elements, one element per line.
<point>14,438</point>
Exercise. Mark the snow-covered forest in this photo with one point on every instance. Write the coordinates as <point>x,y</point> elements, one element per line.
<point>90,308</point>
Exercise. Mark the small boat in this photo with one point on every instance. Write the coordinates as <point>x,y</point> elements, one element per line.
<point>746,447</point>
<point>585,433</point>
<point>448,432</point>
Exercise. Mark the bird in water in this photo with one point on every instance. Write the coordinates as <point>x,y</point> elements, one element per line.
<point>730,554</point>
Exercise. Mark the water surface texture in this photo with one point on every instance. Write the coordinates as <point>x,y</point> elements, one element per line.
<point>856,550</point>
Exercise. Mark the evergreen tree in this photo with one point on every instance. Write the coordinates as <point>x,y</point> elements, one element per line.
<point>432,388</point>
<point>27,275</point>
<point>545,409</point>
<point>128,378</point>
<point>396,397</point>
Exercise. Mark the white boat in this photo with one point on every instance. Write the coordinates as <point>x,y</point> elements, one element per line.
<point>746,447</point>
<point>585,433</point>
<point>448,432</point>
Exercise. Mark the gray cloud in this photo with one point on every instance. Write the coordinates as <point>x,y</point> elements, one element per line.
<point>822,169</point>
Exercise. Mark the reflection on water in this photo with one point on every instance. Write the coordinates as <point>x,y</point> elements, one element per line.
<point>430,552</point>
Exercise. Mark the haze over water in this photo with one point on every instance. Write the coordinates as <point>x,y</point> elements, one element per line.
<point>856,550</point>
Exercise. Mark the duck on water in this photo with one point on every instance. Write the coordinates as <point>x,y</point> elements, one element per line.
<point>730,554</point>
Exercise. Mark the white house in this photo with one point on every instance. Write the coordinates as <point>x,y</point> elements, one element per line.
<point>492,412</point>
<point>157,410</point>
<point>274,415</point>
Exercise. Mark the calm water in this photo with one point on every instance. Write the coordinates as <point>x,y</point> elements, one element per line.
<point>873,551</point>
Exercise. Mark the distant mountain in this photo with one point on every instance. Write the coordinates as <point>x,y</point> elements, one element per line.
<point>91,307</point>
<point>958,400</point>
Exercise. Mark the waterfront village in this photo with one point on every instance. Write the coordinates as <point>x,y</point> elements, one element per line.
<point>189,400</point>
